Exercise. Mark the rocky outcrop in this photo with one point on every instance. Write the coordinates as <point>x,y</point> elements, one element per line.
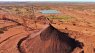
<point>50,40</point>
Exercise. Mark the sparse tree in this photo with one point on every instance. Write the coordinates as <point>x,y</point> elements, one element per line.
<point>33,16</point>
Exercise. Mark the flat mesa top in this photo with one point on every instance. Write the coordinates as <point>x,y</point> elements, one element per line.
<point>49,11</point>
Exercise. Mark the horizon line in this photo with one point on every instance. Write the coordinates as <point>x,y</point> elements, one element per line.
<point>48,1</point>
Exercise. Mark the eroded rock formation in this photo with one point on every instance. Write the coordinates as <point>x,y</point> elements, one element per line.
<point>50,40</point>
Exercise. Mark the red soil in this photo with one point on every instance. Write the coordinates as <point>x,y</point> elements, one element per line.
<point>51,39</point>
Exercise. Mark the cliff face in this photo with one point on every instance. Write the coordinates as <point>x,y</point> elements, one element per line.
<point>51,40</point>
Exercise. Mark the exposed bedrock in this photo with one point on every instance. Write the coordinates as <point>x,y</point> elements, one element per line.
<point>51,40</point>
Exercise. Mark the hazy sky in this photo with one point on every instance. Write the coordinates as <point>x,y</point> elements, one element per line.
<point>54,0</point>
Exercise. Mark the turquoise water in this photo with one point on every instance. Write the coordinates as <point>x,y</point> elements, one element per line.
<point>49,12</point>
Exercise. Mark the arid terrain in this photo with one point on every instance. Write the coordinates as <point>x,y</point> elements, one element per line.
<point>24,30</point>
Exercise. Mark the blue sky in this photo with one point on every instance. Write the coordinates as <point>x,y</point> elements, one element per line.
<point>55,0</point>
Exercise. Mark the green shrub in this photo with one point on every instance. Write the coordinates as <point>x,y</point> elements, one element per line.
<point>64,17</point>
